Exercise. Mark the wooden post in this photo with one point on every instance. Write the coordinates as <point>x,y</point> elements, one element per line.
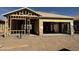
<point>25,25</point>
<point>5,29</point>
<point>28,24</point>
<point>10,25</point>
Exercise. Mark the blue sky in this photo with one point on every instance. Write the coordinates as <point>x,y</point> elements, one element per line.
<point>69,11</point>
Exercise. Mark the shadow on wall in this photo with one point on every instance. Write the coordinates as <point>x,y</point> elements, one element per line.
<point>64,49</point>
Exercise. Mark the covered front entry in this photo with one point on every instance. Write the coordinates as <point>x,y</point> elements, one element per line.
<point>56,27</point>
<point>23,26</point>
<point>17,26</point>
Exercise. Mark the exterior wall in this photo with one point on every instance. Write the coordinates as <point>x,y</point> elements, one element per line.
<point>2,28</point>
<point>72,27</point>
<point>40,27</point>
<point>54,20</point>
<point>7,31</point>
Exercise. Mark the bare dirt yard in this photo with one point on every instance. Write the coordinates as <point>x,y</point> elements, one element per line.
<point>40,43</point>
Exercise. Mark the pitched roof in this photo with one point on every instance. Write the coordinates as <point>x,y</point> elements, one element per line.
<point>76,18</point>
<point>53,15</point>
<point>19,10</point>
<point>7,10</point>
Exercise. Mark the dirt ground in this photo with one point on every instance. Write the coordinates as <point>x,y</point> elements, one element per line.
<point>40,43</point>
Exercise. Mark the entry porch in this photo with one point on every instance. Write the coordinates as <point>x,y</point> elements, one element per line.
<point>20,24</point>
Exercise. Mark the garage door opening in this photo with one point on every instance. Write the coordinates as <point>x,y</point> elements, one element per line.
<point>76,27</point>
<point>56,27</point>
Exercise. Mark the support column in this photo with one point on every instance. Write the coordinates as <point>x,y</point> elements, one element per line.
<point>5,28</point>
<point>10,25</point>
<point>25,27</point>
<point>72,27</point>
<point>40,27</point>
<point>28,26</point>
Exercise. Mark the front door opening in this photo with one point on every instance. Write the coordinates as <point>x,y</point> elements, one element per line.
<point>56,27</point>
<point>32,23</point>
<point>34,26</point>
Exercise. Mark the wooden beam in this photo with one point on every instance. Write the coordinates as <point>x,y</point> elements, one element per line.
<point>28,23</point>
<point>18,18</point>
<point>10,24</point>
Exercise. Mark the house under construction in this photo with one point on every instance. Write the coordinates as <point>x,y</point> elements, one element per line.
<point>28,21</point>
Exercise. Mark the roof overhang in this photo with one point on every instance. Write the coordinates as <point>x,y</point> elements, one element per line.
<point>76,18</point>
